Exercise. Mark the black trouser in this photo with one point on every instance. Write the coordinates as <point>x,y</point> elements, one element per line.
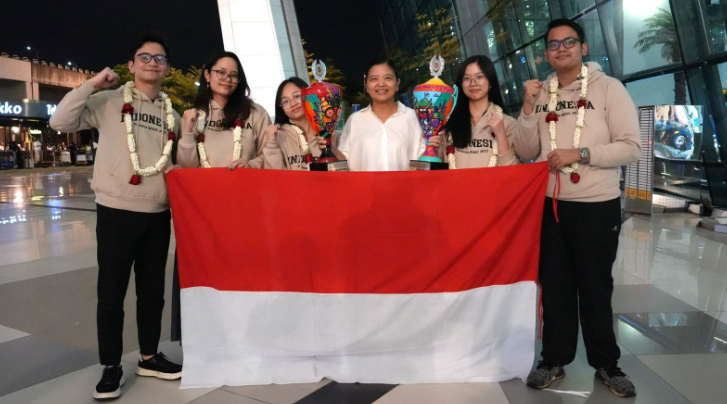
<point>176,304</point>
<point>128,238</point>
<point>576,257</point>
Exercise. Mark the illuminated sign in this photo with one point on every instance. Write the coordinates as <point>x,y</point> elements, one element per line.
<point>27,110</point>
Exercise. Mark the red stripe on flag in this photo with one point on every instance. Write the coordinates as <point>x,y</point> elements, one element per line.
<point>384,232</point>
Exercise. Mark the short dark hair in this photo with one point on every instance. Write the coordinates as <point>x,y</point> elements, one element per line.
<point>280,117</point>
<point>564,22</point>
<point>153,37</point>
<point>381,60</point>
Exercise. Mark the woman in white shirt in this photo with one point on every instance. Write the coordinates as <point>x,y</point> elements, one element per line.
<point>385,135</point>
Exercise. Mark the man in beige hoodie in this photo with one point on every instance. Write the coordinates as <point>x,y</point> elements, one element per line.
<point>584,124</point>
<point>133,223</point>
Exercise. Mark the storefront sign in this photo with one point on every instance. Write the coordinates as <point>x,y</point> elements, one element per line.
<point>38,110</point>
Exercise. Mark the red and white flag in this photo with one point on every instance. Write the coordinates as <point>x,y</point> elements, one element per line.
<point>387,277</point>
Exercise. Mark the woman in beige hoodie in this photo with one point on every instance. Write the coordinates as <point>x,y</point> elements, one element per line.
<point>223,105</point>
<point>297,142</point>
<point>478,134</point>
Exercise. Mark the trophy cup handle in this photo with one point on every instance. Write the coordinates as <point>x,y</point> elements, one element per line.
<point>454,103</point>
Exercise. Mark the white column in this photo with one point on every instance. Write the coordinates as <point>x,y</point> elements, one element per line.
<point>249,31</point>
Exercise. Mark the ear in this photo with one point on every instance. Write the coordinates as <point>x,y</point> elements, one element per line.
<point>207,76</point>
<point>131,66</point>
<point>584,49</point>
<point>398,82</point>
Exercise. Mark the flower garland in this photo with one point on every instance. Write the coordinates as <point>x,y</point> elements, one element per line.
<point>552,118</point>
<point>495,149</point>
<point>236,135</point>
<point>127,111</point>
<point>303,144</point>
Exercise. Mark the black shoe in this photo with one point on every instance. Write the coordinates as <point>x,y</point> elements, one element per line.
<point>109,388</point>
<point>544,374</point>
<point>616,380</point>
<point>160,367</point>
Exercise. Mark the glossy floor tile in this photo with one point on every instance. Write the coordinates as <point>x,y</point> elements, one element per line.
<point>670,321</point>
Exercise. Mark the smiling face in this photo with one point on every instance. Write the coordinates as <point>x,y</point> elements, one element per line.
<point>474,83</point>
<point>381,83</point>
<point>151,72</point>
<point>223,77</point>
<point>563,59</point>
<point>290,101</point>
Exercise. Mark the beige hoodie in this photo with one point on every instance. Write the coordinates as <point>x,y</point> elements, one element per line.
<point>611,133</point>
<point>286,155</point>
<point>112,170</point>
<point>219,142</point>
<point>477,154</point>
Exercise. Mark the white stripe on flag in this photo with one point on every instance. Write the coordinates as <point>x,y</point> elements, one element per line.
<point>248,338</point>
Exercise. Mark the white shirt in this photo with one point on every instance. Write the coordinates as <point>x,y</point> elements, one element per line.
<point>37,146</point>
<point>372,145</point>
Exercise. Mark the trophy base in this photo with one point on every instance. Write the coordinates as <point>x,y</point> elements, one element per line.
<point>417,165</point>
<point>329,166</point>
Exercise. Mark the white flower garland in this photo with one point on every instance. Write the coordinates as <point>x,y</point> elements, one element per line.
<point>302,143</point>
<point>236,135</point>
<point>495,148</point>
<point>552,118</point>
<point>127,111</point>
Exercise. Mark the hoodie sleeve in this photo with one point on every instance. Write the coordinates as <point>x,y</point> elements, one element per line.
<point>78,110</point>
<point>509,158</point>
<point>261,121</point>
<point>187,156</point>
<point>526,136</point>
<point>623,124</point>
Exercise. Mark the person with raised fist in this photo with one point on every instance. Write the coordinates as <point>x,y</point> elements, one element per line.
<point>137,132</point>
<point>584,124</point>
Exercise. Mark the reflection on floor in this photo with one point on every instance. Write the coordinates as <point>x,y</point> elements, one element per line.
<point>670,305</point>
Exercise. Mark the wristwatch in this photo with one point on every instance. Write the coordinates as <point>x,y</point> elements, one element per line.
<point>585,155</point>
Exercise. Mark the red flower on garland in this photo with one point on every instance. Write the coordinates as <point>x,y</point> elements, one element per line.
<point>127,109</point>
<point>552,117</point>
<point>450,149</point>
<point>238,123</point>
<point>135,179</point>
<point>575,177</point>
<point>308,158</point>
<point>171,136</point>
<point>582,103</point>
<point>200,137</point>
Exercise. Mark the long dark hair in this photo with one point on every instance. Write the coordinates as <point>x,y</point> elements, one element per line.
<point>459,122</point>
<point>280,117</point>
<point>238,105</point>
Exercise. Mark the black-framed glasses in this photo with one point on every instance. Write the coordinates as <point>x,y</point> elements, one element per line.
<point>223,75</point>
<point>568,43</point>
<point>287,103</point>
<point>147,57</point>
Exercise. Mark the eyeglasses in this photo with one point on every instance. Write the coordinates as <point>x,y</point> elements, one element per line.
<point>223,75</point>
<point>147,57</point>
<point>568,43</point>
<point>287,103</point>
<point>478,79</point>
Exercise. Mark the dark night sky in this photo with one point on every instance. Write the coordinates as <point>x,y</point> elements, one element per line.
<point>93,34</point>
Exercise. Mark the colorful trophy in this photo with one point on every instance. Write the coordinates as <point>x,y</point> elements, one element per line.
<point>434,103</point>
<point>322,106</point>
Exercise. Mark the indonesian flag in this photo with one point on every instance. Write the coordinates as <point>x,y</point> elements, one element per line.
<point>385,277</point>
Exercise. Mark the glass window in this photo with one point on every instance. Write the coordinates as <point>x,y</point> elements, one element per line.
<point>491,40</point>
<point>571,8</point>
<point>594,38</point>
<point>535,54</point>
<point>642,34</point>
<point>534,17</point>
<point>516,72</point>
<point>669,89</point>
<point>505,28</point>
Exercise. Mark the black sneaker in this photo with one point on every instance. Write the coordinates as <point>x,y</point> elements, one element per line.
<point>159,366</point>
<point>109,388</point>
<point>544,374</point>
<point>616,380</point>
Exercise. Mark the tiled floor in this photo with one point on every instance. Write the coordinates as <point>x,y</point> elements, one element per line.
<point>670,305</point>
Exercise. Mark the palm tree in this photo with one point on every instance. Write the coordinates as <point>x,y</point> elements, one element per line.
<point>659,31</point>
